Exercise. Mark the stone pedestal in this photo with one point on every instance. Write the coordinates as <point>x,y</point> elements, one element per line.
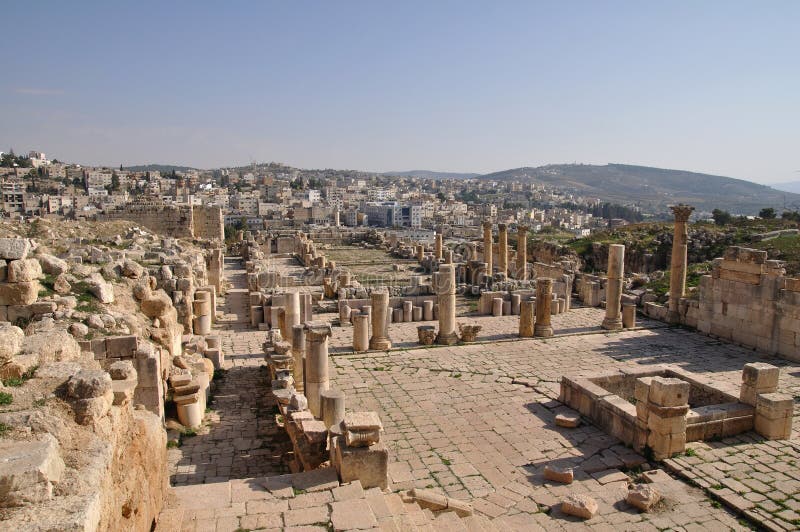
<point>668,403</point>
<point>380,319</point>
<point>298,356</point>
<point>758,378</point>
<point>360,333</point>
<point>526,319</point>
<point>408,308</point>
<point>616,265</point>
<point>416,313</point>
<point>427,310</point>
<point>344,313</point>
<point>497,306</point>
<point>544,300</point>
<point>446,294</point>
<point>291,301</point>
<point>677,277</point>
<point>502,249</point>
<point>316,370</point>
<point>487,247</point>
<point>202,320</point>
<point>522,253</point>
<point>516,300</point>
<point>332,407</point>
<point>628,315</point>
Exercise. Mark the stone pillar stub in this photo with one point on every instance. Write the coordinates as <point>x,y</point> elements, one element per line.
<point>487,247</point>
<point>544,300</point>
<point>527,316</point>
<point>616,266</point>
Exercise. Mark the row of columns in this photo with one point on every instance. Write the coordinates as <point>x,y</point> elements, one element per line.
<point>502,250</point>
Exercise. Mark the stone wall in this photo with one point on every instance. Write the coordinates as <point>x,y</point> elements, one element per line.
<point>208,222</point>
<point>178,221</point>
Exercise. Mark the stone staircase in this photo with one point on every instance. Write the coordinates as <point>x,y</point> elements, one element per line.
<point>313,500</point>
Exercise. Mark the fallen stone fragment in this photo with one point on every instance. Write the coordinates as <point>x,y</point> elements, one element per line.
<point>643,497</point>
<point>568,420</point>
<point>581,506</point>
<point>563,475</point>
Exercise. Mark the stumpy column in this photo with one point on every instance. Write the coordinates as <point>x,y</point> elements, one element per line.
<point>487,247</point>
<point>616,266</point>
<point>446,294</point>
<point>502,249</point>
<point>380,310</point>
<point>298,356</point>
<point>438,246</point>
<point>316,370</point>
<point>292,309</point>
<point>522,253</point>
<point>677,278</point>
<point>544,298</point>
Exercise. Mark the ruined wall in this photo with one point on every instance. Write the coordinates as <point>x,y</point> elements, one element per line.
<point>208,222</point>
<point>169,220</point>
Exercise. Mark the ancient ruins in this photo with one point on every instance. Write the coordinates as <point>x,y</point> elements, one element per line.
<point>158,377</point>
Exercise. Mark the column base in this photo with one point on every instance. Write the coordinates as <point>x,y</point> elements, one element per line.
<point>673,316</point>
<point>612,324</point>
<point>380,344</point>
<point>447,339</point>
<point>542,331</point>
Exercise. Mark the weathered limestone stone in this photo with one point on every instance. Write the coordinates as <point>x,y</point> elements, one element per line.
<point>316,371</point>
<point>99,288</point>
<point>446,294</point>
<point>562,475</point>
<point>360,333</point>
<point>502,249</point>
<point>427,310</point>
<point>333,407</point>
<point>437,248</point>
<point>368,465</point>
<point>544,300</point>
<point>487,247</point>
<point>298,356</point>
<point>380,319</point>
<point>758,378</point>
<point>408,307</point>
<point>516,301</point>
<point>677,279</point>
<point>24,271</point>
<point>774,416</point>
<point>616,265</point>
<point>579,505</point>
<point>569,421</point>
<point>156,305</point>
<point>29,470</point>
<point>642,496</point>
<point>497,306</point>
<point>92,395</point>
<point>19,293</point>
<point>426,334</point>
<point>522,253</point>
<point>628,315</point>
<point>132,269</point>
<point>10,341</point>
<point>292,309</point>
<point>526,318</point>
<point>14,248</point>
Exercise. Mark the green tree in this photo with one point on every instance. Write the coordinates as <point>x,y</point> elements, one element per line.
<point>767,213</point>
<point>721,217</point>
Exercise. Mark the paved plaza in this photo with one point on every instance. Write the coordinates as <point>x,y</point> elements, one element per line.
<point>476,422</point>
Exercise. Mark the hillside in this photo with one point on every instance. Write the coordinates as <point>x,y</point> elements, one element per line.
<point>429,174</point>
<point>654,188</point>
<point>163,168</point>
<point>791,186</point>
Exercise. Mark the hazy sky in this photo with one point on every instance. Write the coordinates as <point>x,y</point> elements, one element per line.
<point>376,85</point>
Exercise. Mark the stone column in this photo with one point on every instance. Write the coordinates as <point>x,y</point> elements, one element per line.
<point>438,246</point>
<point>629,315</point>
<point>522,253</point>
<point>380,318</point>
<point>202,320</point>
<point>616,267</point>
<point>360,333</point>
<point>446,294</point>
<point>448,256</point>
<point>316,370</point>
<point>677,277</point>
<point>502,249</point>
<point>332,407</point>
<point>420,252</point>
<point>298,356</point>
<point>526,318</point>
<point>336,218</point>
<point>544,299</point>
<point>291,304</point>
<point>487,247</point>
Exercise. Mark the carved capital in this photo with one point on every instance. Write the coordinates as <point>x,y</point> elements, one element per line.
<point>682,212</point>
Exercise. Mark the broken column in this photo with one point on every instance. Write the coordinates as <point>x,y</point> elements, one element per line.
<point>677,277</point>
<point>522,253</point>
<point>668,403</point>
<point>332,407</point>
<point>502,249</point>
<point>358,453</point>
<point>420,252</point>
<point>316,370</point>
<point>544,300</point>
<point>201,324</point>
<point>629,315</point>
<point>446,294</point>
<point>616,265</point>
<point>360,333</point>
<point>298,356</point>
<point>526,318</point>
<point>291,302</point>
<point>487,247</point>
<point>438,246</point>
<point>380,320</point>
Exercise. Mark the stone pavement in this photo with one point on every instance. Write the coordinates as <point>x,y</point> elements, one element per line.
<point>475,422</point>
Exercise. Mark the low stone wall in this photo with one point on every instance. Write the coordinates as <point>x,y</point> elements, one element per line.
<point>178,221</point>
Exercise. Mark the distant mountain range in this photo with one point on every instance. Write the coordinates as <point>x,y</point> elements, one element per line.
<point>428,174</point>
<point>791,186</point>
<point>655,188</point>
<point>163,168</point>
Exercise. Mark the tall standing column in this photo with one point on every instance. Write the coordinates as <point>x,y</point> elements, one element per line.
<point>438,246</point>
<point>380,310</point>
<point>522,253</point>
<point>502,249</point>
<point>487,247</point>
<point>616,267</point>
<point>316,370</point>
<point>544,299</point>
<point>446,294</point>
<point>677,278</point>
<point>298,356</point>
<point>291,302</point>
<point>336,218</point>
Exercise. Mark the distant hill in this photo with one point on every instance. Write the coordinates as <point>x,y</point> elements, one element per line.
<point>791,186</point>
<point>655,188</point>
<point>163,168</point>
<point>428,174</point>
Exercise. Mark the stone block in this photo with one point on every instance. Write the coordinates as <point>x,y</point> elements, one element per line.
<point>761,376</point>
<point>668,391</point>
<point>666,425</point>
<point>643,496</point>
<point>562,475</point>
<point>579,505</point>
<point>24,271</point>
<point>775,405</point>
<point>121,346</point>
<point>14,248</point>
<point>19,293</point>
<point>369,465</point>
<point>29,469</point>
<point>429,499</point>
